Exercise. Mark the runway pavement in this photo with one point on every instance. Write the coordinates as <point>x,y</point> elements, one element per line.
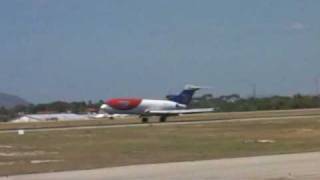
<point>162,124</point>
<point>304,166</point>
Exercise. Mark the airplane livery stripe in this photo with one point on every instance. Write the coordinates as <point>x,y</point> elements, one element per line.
<point>124,103</point>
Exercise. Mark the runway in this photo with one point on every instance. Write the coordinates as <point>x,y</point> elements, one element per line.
<point>277,167</point>
<point>163,124</point>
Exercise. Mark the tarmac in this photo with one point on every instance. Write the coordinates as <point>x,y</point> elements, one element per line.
<point>304,166</point>
<point>160,124</point>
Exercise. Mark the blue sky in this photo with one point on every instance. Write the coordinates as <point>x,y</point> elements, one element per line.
<point>80,50</point>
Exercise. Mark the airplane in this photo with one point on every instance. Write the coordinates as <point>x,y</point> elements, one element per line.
<point>174,105</point>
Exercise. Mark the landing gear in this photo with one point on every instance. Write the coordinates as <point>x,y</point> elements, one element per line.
<point>145,120</point>
<point>163,119</point>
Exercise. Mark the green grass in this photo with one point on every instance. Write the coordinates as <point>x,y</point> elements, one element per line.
<point>95,148</point>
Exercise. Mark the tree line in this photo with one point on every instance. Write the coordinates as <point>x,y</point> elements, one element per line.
<point>234,102</point>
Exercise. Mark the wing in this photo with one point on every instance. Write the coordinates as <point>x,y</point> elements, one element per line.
<point>177,112</point>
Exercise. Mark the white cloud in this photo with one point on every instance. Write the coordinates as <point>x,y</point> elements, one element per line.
<point>297,26</point>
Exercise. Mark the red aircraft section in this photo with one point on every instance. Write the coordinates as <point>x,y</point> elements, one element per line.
<point>124,103</point>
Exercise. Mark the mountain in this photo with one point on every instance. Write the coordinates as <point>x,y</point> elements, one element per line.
<point>8,101</point>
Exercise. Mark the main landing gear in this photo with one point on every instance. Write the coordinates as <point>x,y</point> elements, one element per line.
<point>163,118</point>
<point>146,119</point>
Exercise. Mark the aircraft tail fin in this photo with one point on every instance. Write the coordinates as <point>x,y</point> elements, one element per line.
<point>185,96</point>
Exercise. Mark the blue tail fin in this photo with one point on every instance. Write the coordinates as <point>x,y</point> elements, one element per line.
<point>185,96</point>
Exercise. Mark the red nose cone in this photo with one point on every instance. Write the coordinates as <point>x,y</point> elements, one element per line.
<point>124,104</point>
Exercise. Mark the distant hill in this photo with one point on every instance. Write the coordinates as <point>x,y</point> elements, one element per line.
<point>8,101</point>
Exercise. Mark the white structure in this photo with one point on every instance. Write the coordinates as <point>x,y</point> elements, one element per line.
<point>50,117</point>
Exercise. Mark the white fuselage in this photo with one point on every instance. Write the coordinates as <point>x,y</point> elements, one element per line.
<point>144,106</point>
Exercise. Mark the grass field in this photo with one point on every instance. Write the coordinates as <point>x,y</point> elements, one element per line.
<point>135,120</point>
<point>86,149</point>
